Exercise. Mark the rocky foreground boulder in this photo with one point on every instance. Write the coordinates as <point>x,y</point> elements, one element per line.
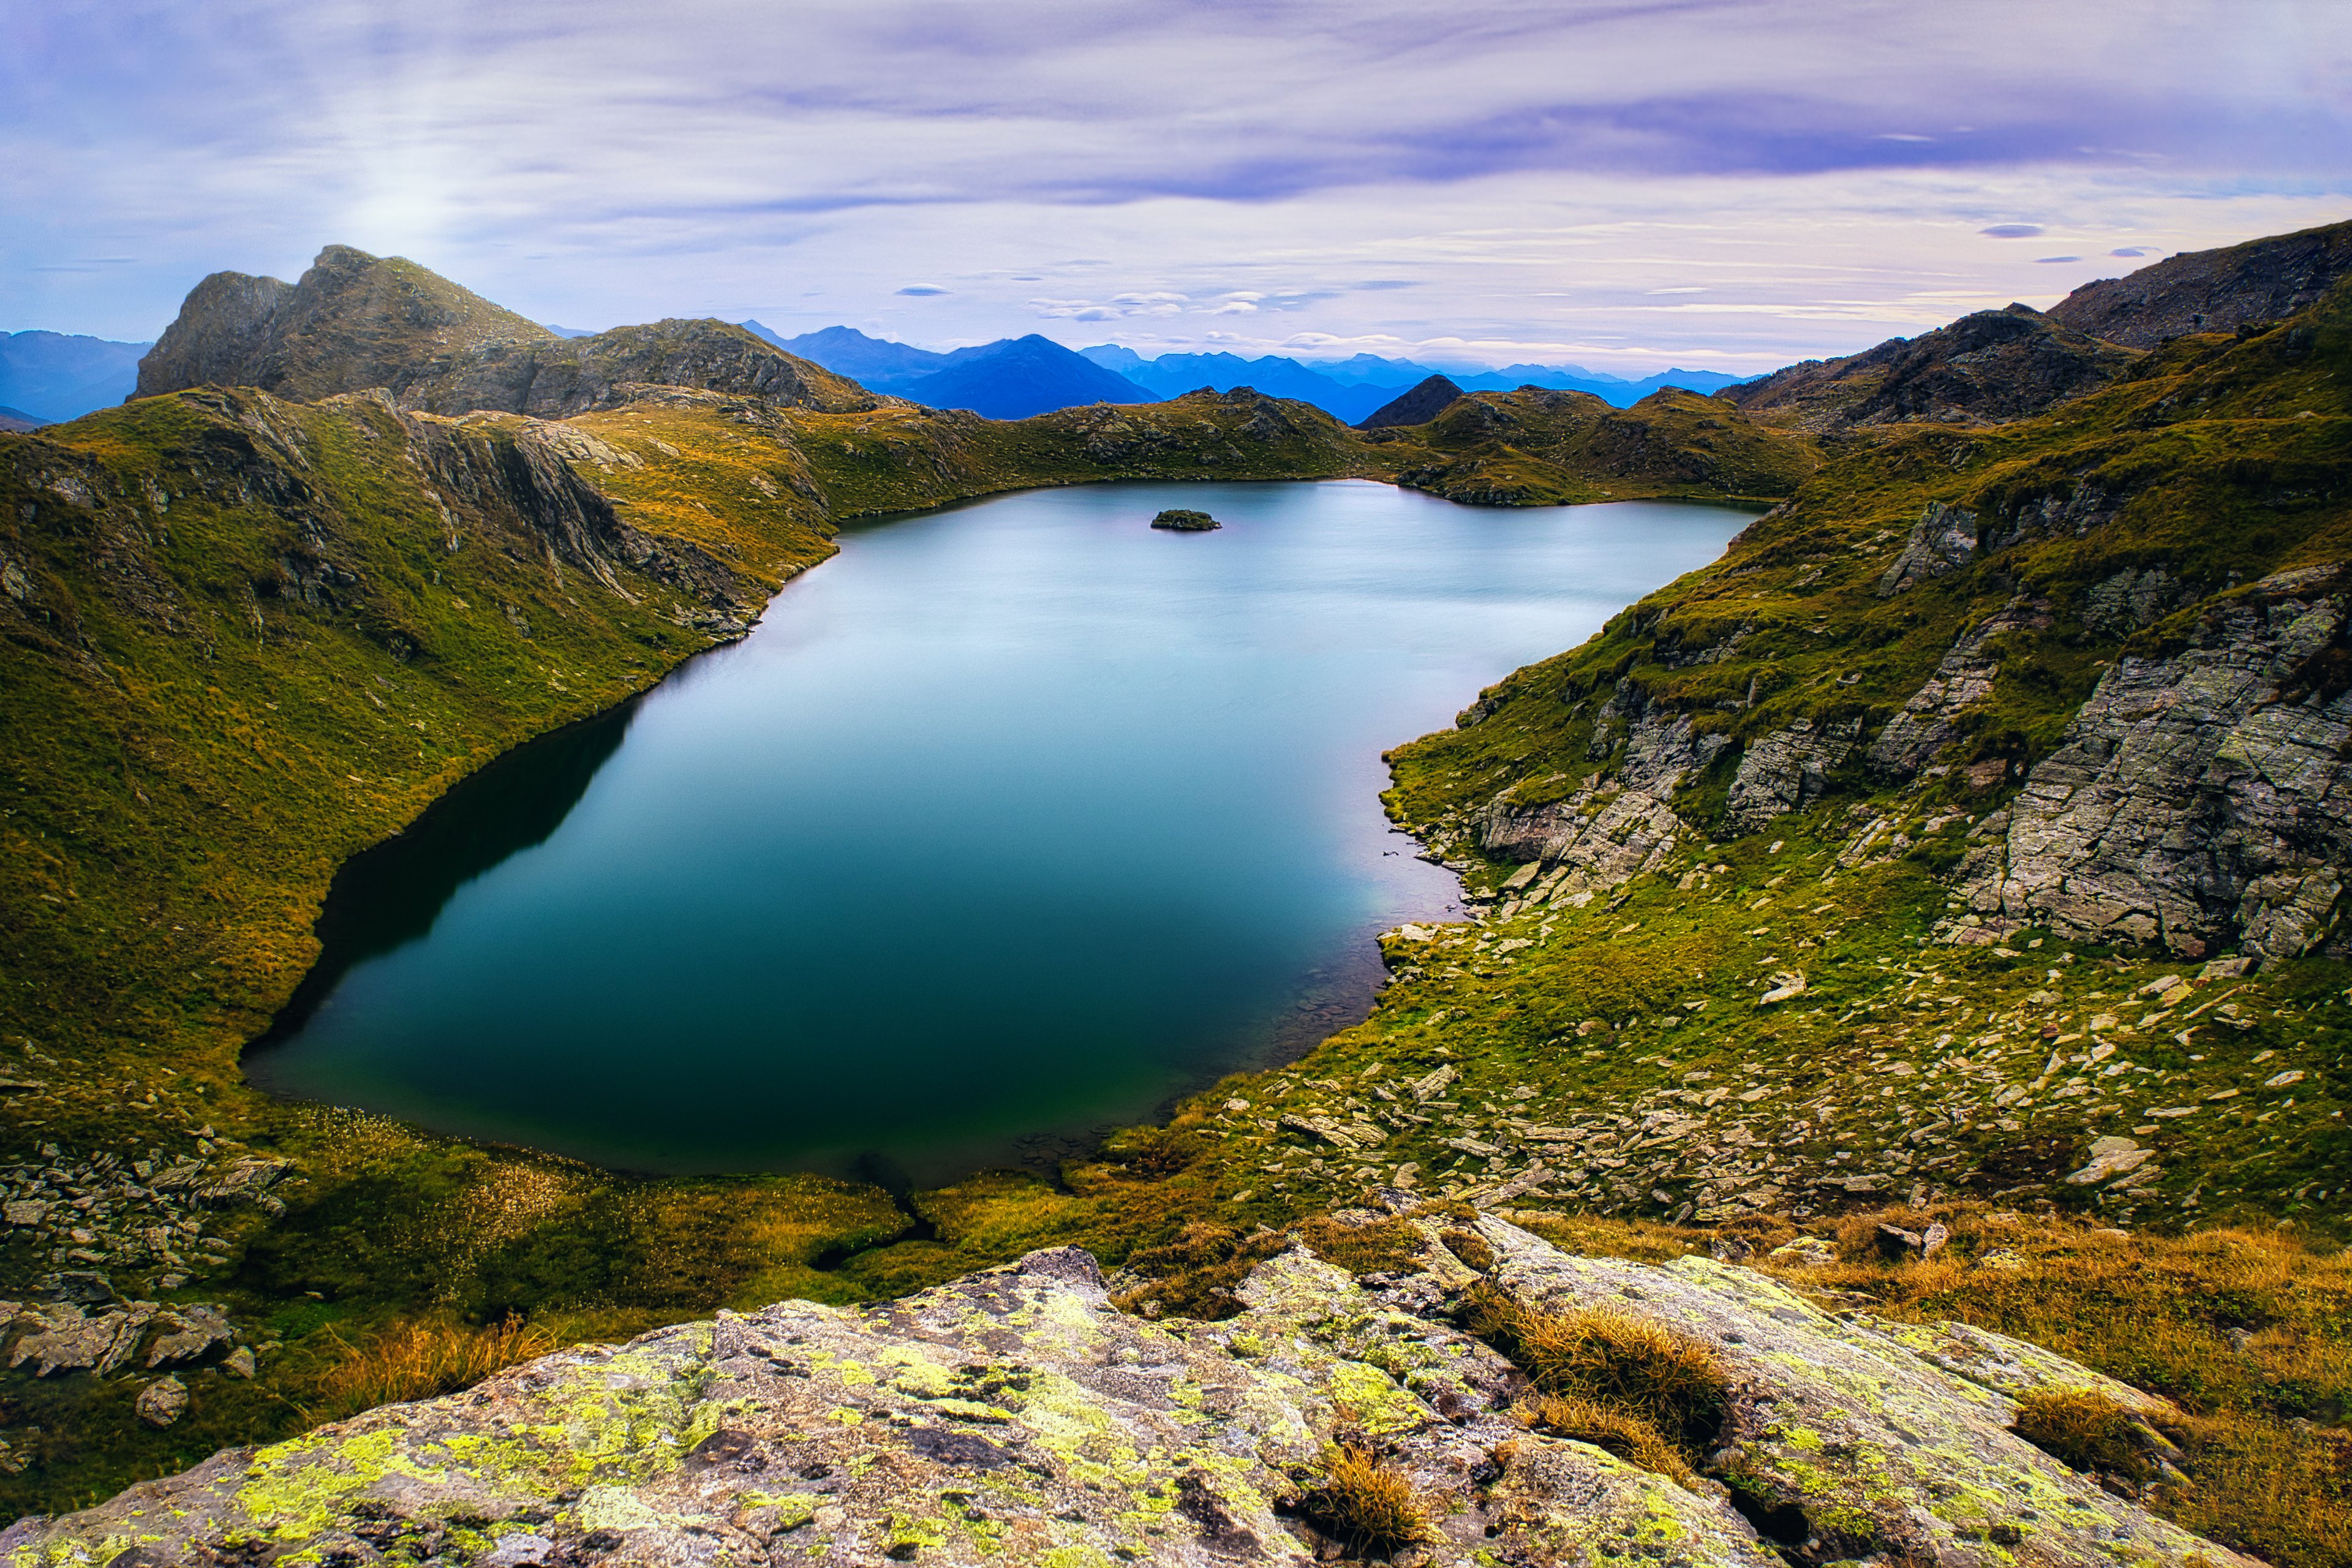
<point>1017,1416</point>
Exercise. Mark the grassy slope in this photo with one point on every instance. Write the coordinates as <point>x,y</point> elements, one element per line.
<point>1535,447</point>
<point>1568,1033</point>
<point>1622,1048</point>
<point>241,647</point>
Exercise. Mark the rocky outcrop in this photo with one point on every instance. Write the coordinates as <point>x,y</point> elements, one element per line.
<point>1661,745</point>
<point>64,1336</point>
<point>2212,290</point>
<point>1983,369</point>
<point>357,321</point>
<point>2198,800</point>
<point>1963,677</point>
<point>1017,1416</point>
<point>1786,770</point>
<point>1618,826</point>
<point>1597,840</point>
<point>1943,541</point>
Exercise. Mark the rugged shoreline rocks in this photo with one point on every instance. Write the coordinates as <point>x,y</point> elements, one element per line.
<point>1016,1415</point>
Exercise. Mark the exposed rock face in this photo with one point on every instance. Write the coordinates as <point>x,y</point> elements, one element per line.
<point>1661,745</point>
<point>2196,800</point>
<point>2210,290</point>
<point>1015,1416</point>
<point>1416,405</point>
<point>1983,369</point>
<point>1943,541</point>
<point>1602,838</point>
<point>1622,824</point>
<point>356,321</point>
<point>1785,771</point>
<point>1930,721</point>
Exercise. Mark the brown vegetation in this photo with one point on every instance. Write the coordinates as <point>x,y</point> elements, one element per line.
<point>1365,1505</point>
<point>1607,1357</point>
<point>422,1359</point>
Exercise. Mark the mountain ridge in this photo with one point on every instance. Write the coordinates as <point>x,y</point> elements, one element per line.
<point>1788,947</point>
<point>52,376</point>
<point>355,322</point>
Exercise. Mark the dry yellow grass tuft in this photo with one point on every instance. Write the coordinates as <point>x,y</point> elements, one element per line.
<point>1365,1504</point>
<point>1610,1357</point>
<point>2090,1432</point>
<point>424,1359</point>
<point>2250,1331</point>
<point>1612,1429</point>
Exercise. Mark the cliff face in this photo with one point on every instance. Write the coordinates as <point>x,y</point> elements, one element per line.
<point>2194,800</point>
<point>356,321</point>
<point>2212,290</point>
<point>1016,1417</point>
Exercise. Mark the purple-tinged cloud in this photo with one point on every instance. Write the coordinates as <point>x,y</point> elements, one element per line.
<point>2012,231</point>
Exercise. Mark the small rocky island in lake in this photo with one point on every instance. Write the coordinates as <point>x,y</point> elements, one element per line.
<point>1185,521</point>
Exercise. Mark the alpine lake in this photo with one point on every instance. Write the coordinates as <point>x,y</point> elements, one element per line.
<point>1005,827</point>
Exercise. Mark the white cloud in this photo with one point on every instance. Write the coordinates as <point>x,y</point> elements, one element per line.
<point>1526,173</point>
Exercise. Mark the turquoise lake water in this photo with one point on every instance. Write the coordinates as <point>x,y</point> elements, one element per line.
<point>1002,828</point>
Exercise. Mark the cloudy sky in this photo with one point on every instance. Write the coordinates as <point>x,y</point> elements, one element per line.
<point>1621,183</point>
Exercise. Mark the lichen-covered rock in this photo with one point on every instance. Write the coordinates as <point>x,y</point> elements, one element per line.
<point>1015,1416</point>
<point>1857,1439</point>
<point>2196,800</point>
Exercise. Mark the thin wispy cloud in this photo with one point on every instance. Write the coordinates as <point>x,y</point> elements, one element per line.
<point>1400,171</point>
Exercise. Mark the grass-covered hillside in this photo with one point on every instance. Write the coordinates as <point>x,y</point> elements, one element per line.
<point>246,637</point>
<point>1737,969</point>
<point>1940,888</point>
<point>1537,446</point>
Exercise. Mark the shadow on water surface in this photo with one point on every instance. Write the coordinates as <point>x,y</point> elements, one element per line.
<point>388,896</point>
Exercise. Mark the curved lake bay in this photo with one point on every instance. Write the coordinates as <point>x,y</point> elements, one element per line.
<point>1003,826</point>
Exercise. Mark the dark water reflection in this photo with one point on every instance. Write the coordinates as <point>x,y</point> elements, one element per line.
<point>1002,828</point>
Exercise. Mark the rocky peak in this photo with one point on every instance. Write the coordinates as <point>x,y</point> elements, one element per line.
<point>1985,368</point>
<point>1417,405</point>
<point>2212,290</point>
<point>354,322</point>
<point>357,321</point>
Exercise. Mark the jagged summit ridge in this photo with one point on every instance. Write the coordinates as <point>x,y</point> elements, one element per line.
<point>1983,369</point>
<point>356,321</point>
<point>2220,290</point>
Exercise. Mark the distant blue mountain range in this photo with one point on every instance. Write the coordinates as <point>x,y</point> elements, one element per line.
<point>1014,377</point>
<point>1353,388</point>
<point>53,377</point>
<point>1009,379</point>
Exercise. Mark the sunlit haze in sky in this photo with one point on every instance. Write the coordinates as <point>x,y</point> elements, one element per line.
<point>1713,183</point>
